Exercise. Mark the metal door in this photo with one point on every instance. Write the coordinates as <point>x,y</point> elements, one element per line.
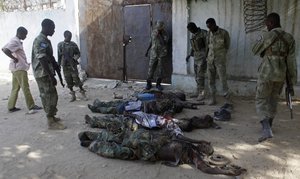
<point>137,20</point>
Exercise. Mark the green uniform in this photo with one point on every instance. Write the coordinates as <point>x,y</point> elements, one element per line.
<point>198,43</point>
<point>119,141</point>
<point>158,52</point>
<point>42,50</point>
<point>218,45</point>
<point>68,54</point>
<point>272,70</point>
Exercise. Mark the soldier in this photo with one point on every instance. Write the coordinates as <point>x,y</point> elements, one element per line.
<point>218,45</point>
<point>19,66</point>
<point>277,48</point>
<point>68,53</point>
<point>158,45</point>
<point>198,43</point>
<point>43,65</point>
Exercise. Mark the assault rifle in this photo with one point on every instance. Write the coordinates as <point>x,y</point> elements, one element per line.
<point>57,69</point>
<point>289,92</point>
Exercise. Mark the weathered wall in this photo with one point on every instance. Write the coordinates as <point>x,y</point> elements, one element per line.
<point>241,64</point>
<point>101,34</point>
<point>65,19</point>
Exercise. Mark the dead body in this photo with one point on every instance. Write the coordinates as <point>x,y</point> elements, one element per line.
<point>118,141</point>
<point>122,138</point>
<point>185,124</point>
<point>167,102</point>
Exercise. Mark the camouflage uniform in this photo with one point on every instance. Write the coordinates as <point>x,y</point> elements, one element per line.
<point>42,50</point>
<point>68,54</point>
<point>198,43</point>
<point>158,52</point>
<point>218,45</point>
<point>119,141</point>
<point>110,107</point>
<point>272,70</point>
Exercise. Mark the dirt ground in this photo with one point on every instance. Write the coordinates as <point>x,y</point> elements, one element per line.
<point>29,151</point>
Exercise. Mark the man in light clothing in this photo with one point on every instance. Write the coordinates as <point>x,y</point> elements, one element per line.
<point>19,66</point>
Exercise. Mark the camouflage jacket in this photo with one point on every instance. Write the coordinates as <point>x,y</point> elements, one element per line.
<point>218,44</point>
<point>118,141</point>
<point>198,43</point>
<point>159,43</point>
<point>274,52</point>
<point>41,50</point>
<point>67,53</point>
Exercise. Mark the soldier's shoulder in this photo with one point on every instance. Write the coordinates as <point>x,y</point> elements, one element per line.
<point>223,30</point>
<point>289,36</point>
<point>60,44</point>
<point>73,43</point>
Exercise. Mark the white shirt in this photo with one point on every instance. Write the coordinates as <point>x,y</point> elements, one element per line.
<point>15,45</point>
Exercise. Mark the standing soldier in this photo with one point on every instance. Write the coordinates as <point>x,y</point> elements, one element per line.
<point>277,48</point>
<point>218,45</point>
<point>198,43</point>
<point>43,65</point>
<point>68,53</point>
<point>158,45</point>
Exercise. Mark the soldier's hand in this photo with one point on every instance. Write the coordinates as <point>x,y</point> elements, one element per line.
<point>15,60</point>
<point>53,80</point>
<point>187,58</point>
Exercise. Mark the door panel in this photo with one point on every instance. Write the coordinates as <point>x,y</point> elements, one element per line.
<point>137,25</point>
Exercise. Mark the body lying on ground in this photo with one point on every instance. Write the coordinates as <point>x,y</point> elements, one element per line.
<point>141,119</point>
<point>120,139</point>
<point>165,102</point>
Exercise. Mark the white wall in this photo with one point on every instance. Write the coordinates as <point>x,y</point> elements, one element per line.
<point>64,19</point>
<point>241,64</point>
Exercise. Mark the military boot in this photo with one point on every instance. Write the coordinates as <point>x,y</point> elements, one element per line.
<point>158,85</point>
<point>73,96</point>
<point>55,125</point>
<point>212,100</point>
<point>267,131</point>
<point>82,92</point>
<point>149,84</point>
<point>201,96</point>
<point>228,97</point>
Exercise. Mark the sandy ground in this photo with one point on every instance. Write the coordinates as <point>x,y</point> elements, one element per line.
<point>29,150</point>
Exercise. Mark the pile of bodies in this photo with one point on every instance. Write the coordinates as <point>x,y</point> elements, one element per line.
<point>136,135</point>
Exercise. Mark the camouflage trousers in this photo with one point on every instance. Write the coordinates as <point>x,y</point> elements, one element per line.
<point>200,69</point>
<point>155,65</point>
<point>71,76</point>
<point>48,95</point>
<point>267,95</point>
<point>215,68</point>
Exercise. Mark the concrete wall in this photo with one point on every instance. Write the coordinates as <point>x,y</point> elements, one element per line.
<point>64,19</point>
<point>241,64</point>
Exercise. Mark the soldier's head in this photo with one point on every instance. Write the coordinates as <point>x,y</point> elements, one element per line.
<point>22,33</point>
<point>211,24</point>
<point>160,25</point>
<point>192,27</point>
<point>68,36</point>
<point>272,21</point>
<point>48,27</point>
